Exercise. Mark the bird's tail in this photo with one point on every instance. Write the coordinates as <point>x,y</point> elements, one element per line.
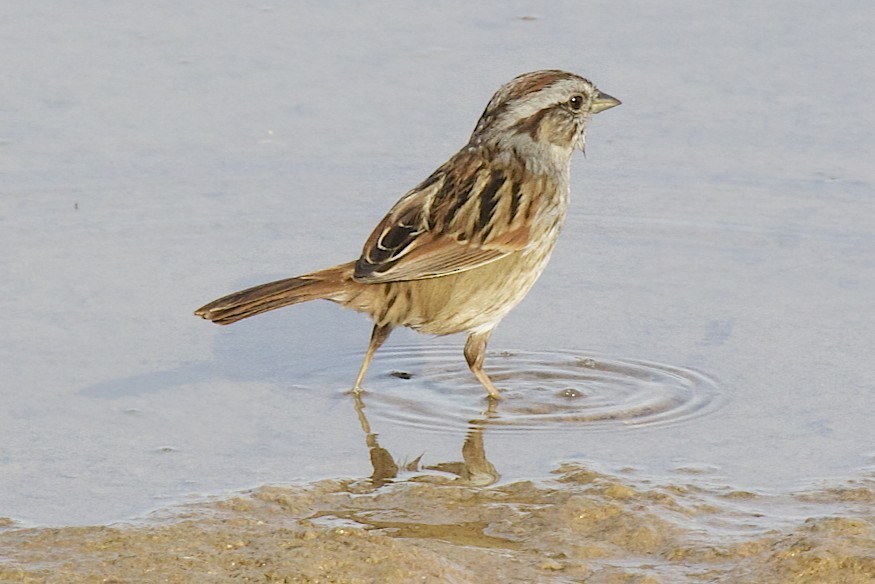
<point>330,284</point>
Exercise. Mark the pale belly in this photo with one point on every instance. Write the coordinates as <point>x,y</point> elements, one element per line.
<point>474,300</point>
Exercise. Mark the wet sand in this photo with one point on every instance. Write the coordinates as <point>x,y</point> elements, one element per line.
<point>578,526</point>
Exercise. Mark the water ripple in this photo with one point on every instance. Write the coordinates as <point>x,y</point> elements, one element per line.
<point>431,388</point>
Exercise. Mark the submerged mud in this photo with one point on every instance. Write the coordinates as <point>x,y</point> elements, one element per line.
<point>578,526</point>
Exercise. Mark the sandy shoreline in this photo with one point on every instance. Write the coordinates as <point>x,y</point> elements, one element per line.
<point>579,526</point>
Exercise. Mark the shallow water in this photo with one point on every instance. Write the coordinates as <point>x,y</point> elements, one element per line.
<point>706,322</point>
<point>560,391</point>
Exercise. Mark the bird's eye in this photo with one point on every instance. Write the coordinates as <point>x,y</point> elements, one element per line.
<point>576,102</point>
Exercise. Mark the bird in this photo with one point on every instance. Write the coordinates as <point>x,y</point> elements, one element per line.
<point>462,248</point>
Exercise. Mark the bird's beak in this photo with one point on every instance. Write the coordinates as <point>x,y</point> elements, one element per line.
<point>603,101</point>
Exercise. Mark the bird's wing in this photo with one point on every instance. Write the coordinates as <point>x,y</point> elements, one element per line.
<point>465,215</point>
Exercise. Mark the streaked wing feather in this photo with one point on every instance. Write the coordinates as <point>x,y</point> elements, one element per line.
<point>451,223</point>
<point>439,257</point>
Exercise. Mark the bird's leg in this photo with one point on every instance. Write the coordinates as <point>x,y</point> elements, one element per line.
<point>378,337</point>
<point>475,352</point>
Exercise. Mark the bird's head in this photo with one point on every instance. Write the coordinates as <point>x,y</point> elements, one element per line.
<point>544,111</point>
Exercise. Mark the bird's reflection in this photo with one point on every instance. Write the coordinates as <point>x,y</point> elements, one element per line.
<point>382,462</point>
<point>473,469</point>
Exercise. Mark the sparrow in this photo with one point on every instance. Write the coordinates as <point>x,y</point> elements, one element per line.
<point>462,248</point>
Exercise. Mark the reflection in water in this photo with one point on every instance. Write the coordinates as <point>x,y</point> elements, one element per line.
<point>385,467</point>
<point>473,469</point>
<point>542,391</point>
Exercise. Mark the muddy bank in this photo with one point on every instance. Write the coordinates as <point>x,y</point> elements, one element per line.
<point>579,526</point>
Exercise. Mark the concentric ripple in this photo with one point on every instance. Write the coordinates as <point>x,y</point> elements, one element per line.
<point>431,388</point>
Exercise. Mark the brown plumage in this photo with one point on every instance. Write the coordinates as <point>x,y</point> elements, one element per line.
<point>460,250</point>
